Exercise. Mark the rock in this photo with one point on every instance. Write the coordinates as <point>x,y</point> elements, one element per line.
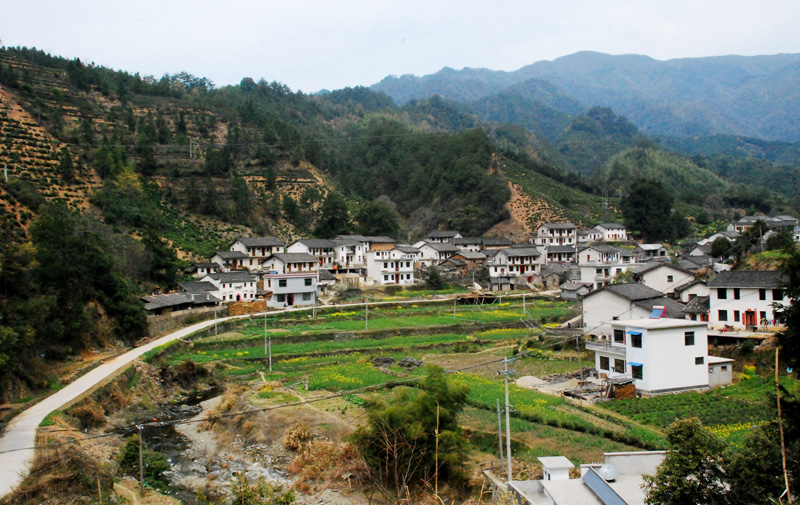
<point>410,363</point>
<point>383,361</point>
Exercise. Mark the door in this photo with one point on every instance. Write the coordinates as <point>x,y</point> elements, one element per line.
<point>289,300</point>
<point>750,318</point>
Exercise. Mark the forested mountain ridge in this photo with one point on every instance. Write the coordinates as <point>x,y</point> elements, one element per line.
<point>755,96</point>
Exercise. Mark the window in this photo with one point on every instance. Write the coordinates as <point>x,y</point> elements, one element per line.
<point>604,365</point>
<point>737,293</point>
<point>762,315</point>
<point>736,315</point>
<point>762,294</point>
<point>386,277</point>
<point>699,360</point>
<point>308,282</point>
<point>688,338</point>
<point>385,265</point>
<point>281,298</point>
<point>619,337</point>
<point>723,315</point>
<point>722,293</point>
<point>636,340</point>
<point>306,297</point>
<point>282,283</point>
<point>637,372</point>
<point>619,365</point>
<point>777,294</point>
<point>723,368</point>
<point>670,278</point>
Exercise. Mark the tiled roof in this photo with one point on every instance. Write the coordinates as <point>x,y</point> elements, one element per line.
<point>442,234</point>
<point>292,258</point>
<point>560,249</point>
<point>166,300</point>
<point>260,241</point>
<point>697,305</point>
<point>230,255</point>
<point>747,279</point>
<point>611,226</point>
<point>514,252</point>
<point>316,243</point>
<point>472,255</point>
<point>674,309</point>
<point>559,226</point>
<point>231,277</point>
<point>633,291</point>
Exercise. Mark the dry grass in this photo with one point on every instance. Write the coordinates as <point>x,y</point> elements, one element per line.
<point>296,437</point>
<point>323,464</point>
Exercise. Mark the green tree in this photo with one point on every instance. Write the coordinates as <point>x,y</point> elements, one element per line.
<point>399,440</point>
<point>291,211</point>
<point>334,217</point>
<point>242,199</point>
<point>647,208</point>
<point>754,471</point>
<point>779,240</point>
<point>378,218</point>
<point>434,278</point>
<point>692,471</point>
<point>721,247</point>
<point>622,277</point>
<point>66,167</point>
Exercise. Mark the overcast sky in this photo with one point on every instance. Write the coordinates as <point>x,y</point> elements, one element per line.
<point>311,45</point>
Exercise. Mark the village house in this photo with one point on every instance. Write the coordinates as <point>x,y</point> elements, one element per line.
<point>697,308</point>
<point>662,276</point>
<point>729,235</point>
<point>612,232</point>
<point>443,236</point>
<point>623,301</point>
<point>200,292</point>
<point>256,249</point>
<point>687,291</point>
<point>468,244</point>
<point>465,261</point>
<point>233,286</point>
<point>742,299</point>
<point>661,355</point>
<point>559,254</point>
<point>166,303</point>
<point>556,234</point>
<point>647,252</point>
<point>777,223</point>
<point>391,267</point>
<point>322,249</point>
<point>433,253</point>
<point>600,263</point>
<point>575,290</point>
<point>198,270</point>
<point>230,260</point>
<point>292,278</point>
<point>349,255</point>
<point>588,235</point>
<point>514,267</point>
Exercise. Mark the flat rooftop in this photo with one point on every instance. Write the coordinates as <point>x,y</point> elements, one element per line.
<point>658,324</point>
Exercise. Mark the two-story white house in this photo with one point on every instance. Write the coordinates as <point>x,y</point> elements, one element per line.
<point>468,244</point>
<point>559,254</point>
<point>256,249</point>
<point>600,263</point>
<point>443,236</point>
<point>661,355</point>
<point>514,267</point>
<point>433,253</point>
<point>623,301</point>
<point>233,286</point>
<point>322,249</point>
<point>743,299</point>
<point>556,234</point>
<point>349,253</point>
<point>662,276</point>
<point>612,232</point>
<point>589,235</point>
<point>292,278</point>
<point>391,267</point>
<point>230,260</point>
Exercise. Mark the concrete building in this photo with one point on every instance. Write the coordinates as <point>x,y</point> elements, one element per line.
<point>662,276</point>
<point>623,301</point>
<point>612,232</point>
<point>556,234</point>
<point>292,278</point>
<point>743,299</point>
<point>256,249</point>
<point>391,267</point>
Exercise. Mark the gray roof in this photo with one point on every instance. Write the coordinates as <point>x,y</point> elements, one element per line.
<point>316,243</point>
<point>747,279</point>
<point>603,248</point>
<point>326,275</point>
<point>292,258</point>
<point>496,242</point>
<point>650,247</point>
<point>231,277</point>
<point>166,300</point>
<point>469,255</point>
<point>380,239</point>
<point>467,240</point>
<point>260,241</point>
<point>345,241</point>
<point>697,305</point>
<point>230,255</point>
<point>575,285</point>
<point>442,247</point>
<point>454,261</point>
<point>405,248</point>
<point>696,262</point>
<point>442,234</point>
<point>632,291</point>
<point>521,251</point>
<point>560,249</point>
<point>611,226</point>
<point>687,285</point>
<point>674,309</point>
<point>559,226</point>
<point>197,287</point>
<point>643,268</point>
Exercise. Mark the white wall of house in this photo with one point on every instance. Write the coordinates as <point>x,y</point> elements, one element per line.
<point>673,353</point>
<point>390,267</point>
<point>601,274</point>
<point>602,306</point>
<point>612,234</point>
<point>741,307</point>
<point>546,235</point>
<point>698,289</point>
<point>665,278</point>
<point>232,291</point>
<point>291,289</point>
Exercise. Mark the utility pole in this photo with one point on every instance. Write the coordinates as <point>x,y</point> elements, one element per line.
<point>215,321</point>
<point>454,308</point>
<point>780,426</point>
<point>366,314</point>
<point>500,435</point>
<point>523,305</point>
<point>5,171</point>
<point>141,461</point>
<point>506,373</point>
<point>578,350</point>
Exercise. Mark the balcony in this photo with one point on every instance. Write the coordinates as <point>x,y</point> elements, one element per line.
<point>605,346</point>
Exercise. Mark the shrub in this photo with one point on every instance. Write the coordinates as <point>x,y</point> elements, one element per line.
<point>296,437</point>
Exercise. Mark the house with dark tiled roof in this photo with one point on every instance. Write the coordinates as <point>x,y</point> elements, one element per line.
<point>662,276</point>
<point>231,260</point>
<point>697,309</point>
<point>556,234</point>
<point>322,249</point>
<point>514,267</point>
<point>469,244</point>
<point>433,253</point>
<point>624,301</point>
<point>201,269</point>
<point>292,278</point>
<point>443,236</point>
<point>233,286</point>
<point>743,299</point>
<point>612,232</point>
<point>560,254</point>
<point>256,249</point>
<point>494,243</point>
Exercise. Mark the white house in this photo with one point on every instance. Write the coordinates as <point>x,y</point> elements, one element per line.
<point>661,276</point>
<point>432,253</point>
<point>729,235</point>
<point>514,266</point>
<point>230,260</point>
<point>649,251</point>
<point>692,289</point>
<point>256,249</point>
<point>443,236</point>
<point>349,253</point>
<point>233,286</point>
<point>589,235</point>
<point>468,244</point>
<point>556,234</point>
<point>292,278</point>
<point>559,254</point>
<point>322,249</point>
<point>391,267</point>
<point>623,301</point>
<point>600,263</point>
<point>743,299</point>
<point>612,231</point>
<point>661,355</point>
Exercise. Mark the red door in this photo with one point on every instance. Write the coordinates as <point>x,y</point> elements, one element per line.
<point>289,299</point>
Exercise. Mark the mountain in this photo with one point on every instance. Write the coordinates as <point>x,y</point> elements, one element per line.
<point>754,96</point>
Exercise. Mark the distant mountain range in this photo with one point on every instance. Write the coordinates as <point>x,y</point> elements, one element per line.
<point>750,96</point>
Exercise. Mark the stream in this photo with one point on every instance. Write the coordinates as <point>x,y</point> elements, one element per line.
<point>197,461</point>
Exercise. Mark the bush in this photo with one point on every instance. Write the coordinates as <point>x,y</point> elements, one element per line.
<point>155,463</point>
<point>296,437</point>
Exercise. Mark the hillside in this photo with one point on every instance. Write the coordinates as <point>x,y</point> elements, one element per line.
<point>755,96</point>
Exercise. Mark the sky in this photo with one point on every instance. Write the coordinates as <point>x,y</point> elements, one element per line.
<point>314,45</point>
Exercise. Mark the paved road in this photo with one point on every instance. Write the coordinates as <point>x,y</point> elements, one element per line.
<point>19,438</point>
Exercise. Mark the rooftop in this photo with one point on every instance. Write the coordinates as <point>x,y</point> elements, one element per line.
<point>747,279</point>
<point>658,324</point>
<point>260,241</point>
